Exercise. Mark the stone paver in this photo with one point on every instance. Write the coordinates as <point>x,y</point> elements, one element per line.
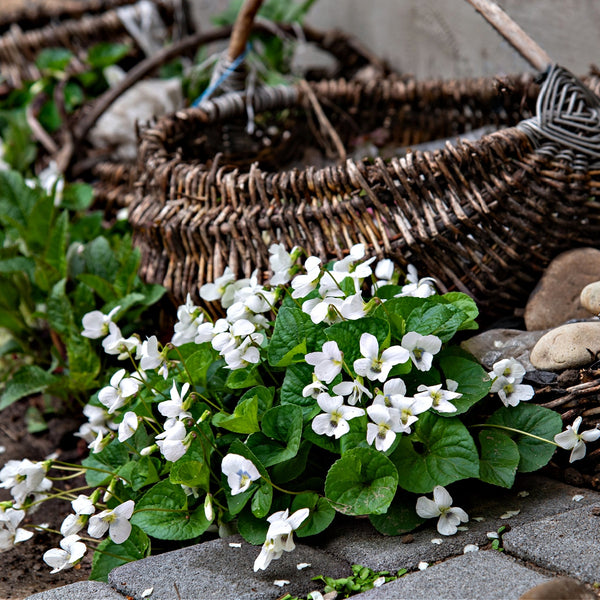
<point>490,575</point>
<point>566,543</point>
<point>217,570</point>
<point>82,590</point>
<point>356,541</point>
<point>555,529</point>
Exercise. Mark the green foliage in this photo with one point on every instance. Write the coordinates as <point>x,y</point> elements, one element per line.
<point>361,580</point>
<point>20,149</point>
<point>271,55</point>
<point>362,482</point>
<point>163,513</point>
<point>50,280</point>
<point>440,452</point>
<point>532,419</point>
<point>110,555</point>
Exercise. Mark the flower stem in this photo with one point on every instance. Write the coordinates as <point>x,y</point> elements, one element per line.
<point>276,487</point>
<point>519,431</point>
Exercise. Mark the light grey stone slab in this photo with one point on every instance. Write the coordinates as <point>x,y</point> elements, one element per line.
<point>357,542</point>
<point>215,570</point>
<point>82,590</point>
<point>565,543</point>
<point>489,575</point>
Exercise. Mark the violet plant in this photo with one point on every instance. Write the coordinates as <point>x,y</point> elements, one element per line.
<point>336,389</point>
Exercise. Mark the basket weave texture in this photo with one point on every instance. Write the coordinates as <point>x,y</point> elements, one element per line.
<point>484,217</point>
<point>19,49</point>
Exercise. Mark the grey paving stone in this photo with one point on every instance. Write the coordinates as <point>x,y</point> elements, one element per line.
<point>565,543</point>
<point>357,542</point>
<point>215,570</point>
<point>489,575</point>
<point>82,590</point>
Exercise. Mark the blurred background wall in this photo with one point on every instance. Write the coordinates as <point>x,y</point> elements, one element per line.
<point>447,38</point>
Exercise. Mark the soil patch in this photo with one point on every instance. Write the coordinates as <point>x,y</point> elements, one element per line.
<point>23,572</point>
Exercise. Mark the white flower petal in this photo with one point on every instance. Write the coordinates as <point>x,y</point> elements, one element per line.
<point>441,496</point>
<point>426,508</point>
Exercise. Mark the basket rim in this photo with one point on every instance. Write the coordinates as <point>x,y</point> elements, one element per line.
<point>220,109</point>
<point>268,98</point>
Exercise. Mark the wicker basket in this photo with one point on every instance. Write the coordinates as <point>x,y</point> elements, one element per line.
<point>76,26</point>
<point>484,217</point>
<point>114,180</point>
<point>45,12</point>
<point>19,48</point>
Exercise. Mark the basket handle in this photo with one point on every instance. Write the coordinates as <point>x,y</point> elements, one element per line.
<point>513,34</point>
<point>242,28</point>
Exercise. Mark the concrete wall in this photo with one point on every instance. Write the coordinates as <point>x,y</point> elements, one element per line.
<point>447,38</point>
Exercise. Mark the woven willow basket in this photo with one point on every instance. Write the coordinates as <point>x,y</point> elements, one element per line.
<point>114,180</point>
<point>484,217</point>
<point>75,27</point>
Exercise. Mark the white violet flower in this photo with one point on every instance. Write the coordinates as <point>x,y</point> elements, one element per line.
<point>152,357</point>
<point>24,478</point>
<point>572,440</point>
<point>240,472</point>
<point>172,441</point>
<point>71,551</point>
<point>121,388</point>
<point>312,390</point>
<point>95,323</point>
<point>10,532</point>
<point>327,363</point>
<point>173,408</point>
<point>421,348</point>
<point>189,318</point>
<point>511,393</point>
<point>441,506</point>
<point>128,426</point>
<point>281,263</point>
<point>509,368</point>
<point>279,536</point>
<point>376,367</point>
<point>116,344</point>
<point>305,283</point>
<point>409,408</point>
<point>335,417</point>
<point>419,288</point>
<point>354,390</point>
<point>440,398</point>
<point>215,291</point>
<point>115,521</point>
<point>384,272</point>
<point>392,387</point>
<point>386,423</point>
<point>83,508</point>
<point>327,309</point>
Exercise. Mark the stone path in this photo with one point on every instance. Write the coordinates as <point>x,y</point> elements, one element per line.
<point>554,530</point>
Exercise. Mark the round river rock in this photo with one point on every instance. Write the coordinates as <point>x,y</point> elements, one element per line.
<point>556,299</point>
<point>590,297</point>
<point>569,346</point>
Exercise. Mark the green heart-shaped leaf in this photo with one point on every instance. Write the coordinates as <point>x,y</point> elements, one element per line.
<point>499,458</point>
<point>446,453</point>
<point>530,418</point>
<point>362,482</point>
